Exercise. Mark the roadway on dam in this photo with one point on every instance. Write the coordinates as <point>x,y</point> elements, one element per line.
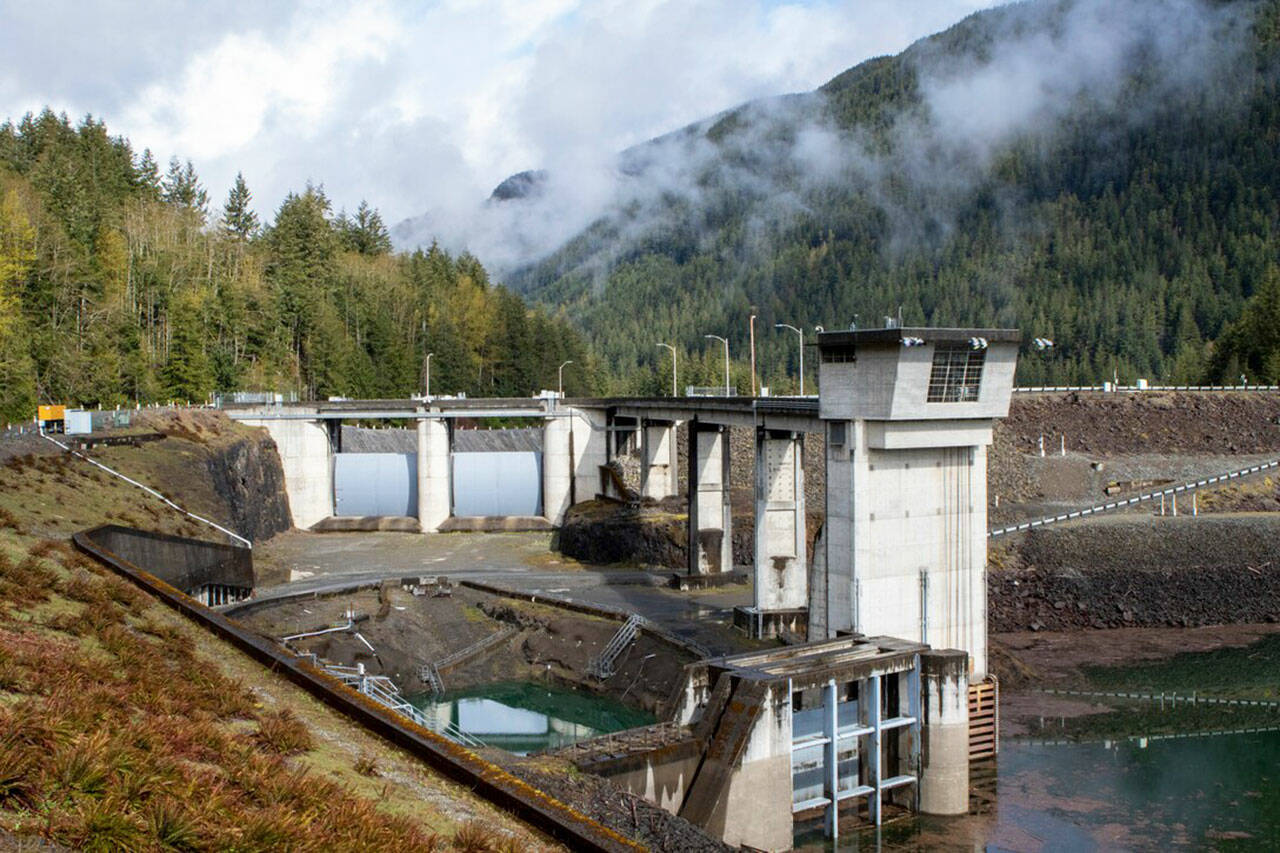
<point>326,563</point>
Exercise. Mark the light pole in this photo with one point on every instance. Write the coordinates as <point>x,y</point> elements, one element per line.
<point>674,385</point>
<point>560,381</point>
<point>801,334</point>
<point>426,375</point>
<point>752,326</point>
<point>724,341</point>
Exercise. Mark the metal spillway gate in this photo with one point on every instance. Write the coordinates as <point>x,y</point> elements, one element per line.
<point>380,484</point>
<point>504,483</point>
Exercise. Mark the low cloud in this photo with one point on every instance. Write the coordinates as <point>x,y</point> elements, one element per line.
<point>1035,65</point>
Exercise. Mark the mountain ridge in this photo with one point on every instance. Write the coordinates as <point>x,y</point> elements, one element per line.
<point>1127,207</point>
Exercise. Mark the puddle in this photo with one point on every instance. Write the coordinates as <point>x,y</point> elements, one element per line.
<point>523,717</point>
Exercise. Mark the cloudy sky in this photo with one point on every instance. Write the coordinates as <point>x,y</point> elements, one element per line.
<point>424,106</point>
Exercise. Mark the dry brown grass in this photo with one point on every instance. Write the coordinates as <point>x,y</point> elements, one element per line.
<point>115,737</point>
<point>284,733</point>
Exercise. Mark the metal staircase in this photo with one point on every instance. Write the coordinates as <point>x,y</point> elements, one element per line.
<point>601,667</point>
<point>429,675</point>
<point>383,690</point>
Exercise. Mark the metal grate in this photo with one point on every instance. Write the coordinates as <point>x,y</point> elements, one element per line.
<point>956,374</point>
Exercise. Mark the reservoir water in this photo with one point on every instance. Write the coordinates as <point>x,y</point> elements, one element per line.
<point>1140,777</point>
<point>524,717</point>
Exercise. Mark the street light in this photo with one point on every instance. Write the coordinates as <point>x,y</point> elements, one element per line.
<point>724,341</point>
<point>560,372</point>
<point>426,373</point>
<point>752,325</point>
<point>801,334</point>
<point>673,368</point>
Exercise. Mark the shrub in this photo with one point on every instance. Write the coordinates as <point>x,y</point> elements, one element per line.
<point>367,765</point>
<point>171,825</point>
<point>282,732</point>
<point>476,837</point>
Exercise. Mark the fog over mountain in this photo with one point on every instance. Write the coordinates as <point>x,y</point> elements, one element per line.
<point>1033,66</point>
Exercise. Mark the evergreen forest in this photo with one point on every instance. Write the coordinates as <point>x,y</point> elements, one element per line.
<point>1138,229</point>
<point>120,283</point>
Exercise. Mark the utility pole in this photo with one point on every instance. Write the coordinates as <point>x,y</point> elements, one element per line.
<point>674,385</point>
<point>801,334</point>
<point>724,341</point>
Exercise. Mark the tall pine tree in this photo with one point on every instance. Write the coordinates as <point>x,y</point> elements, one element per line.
<point>238,219</point>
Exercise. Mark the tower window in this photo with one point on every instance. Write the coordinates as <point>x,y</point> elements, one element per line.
<point>956,374</point>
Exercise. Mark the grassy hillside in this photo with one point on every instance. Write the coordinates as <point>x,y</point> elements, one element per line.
<point>1106,175</point>
<point>122,726</point>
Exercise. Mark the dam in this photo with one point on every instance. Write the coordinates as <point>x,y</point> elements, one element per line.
<point>871,709</point>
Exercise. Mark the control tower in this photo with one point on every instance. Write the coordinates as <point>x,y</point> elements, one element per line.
<point>909,414</point>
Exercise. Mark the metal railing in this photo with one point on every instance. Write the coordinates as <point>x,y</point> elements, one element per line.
<point>384,691</point>
<point>1149,496</point>
<point>1129,389</point>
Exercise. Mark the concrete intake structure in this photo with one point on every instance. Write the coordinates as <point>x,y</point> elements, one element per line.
<point>829,730</point>
<point>909,415</point>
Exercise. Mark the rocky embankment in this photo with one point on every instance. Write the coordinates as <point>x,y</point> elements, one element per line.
<point>1138,572</point>
<point>651,534</point>
<point>244,487</point>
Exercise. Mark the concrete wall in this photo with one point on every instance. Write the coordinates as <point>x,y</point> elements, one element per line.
<point>590,439</point>
<point>658,460</point>
<point>905,545</point>
<point>186,564</point>
<point>307,460</point>
<point>891,382</point>
<point>661,782</point>
<point>756,810</point>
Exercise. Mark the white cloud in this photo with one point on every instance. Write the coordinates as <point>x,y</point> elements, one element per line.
<point>425,107</point>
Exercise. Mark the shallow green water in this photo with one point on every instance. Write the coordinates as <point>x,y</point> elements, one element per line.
<point>524,717</point>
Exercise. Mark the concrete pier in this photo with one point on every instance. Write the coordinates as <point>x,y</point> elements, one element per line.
<point>306,455</point>
<point>944,773</point>
<point>781,565</point>
<point>710,515</point>
<point>658,451</point>
<point>434,487</point>
<point>557,467</point>
<point>589,447</point>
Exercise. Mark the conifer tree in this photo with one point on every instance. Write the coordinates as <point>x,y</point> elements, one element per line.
<point>238,219</point>
<point>187,374</point>
<point>181,186</point>
<point>366,233</point>
<point>149,174</point>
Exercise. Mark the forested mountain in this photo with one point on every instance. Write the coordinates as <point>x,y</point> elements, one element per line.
<point>1105,174</point>
<point>119,285</point>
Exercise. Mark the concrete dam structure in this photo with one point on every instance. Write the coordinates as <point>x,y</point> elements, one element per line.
<point>875,708</point>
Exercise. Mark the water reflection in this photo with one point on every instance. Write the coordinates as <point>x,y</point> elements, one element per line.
<point>524,717</point>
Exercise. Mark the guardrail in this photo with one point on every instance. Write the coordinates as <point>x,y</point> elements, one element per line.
<point>1172,698</point>
<point>1130,389</point>
<point>1149,496</point>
